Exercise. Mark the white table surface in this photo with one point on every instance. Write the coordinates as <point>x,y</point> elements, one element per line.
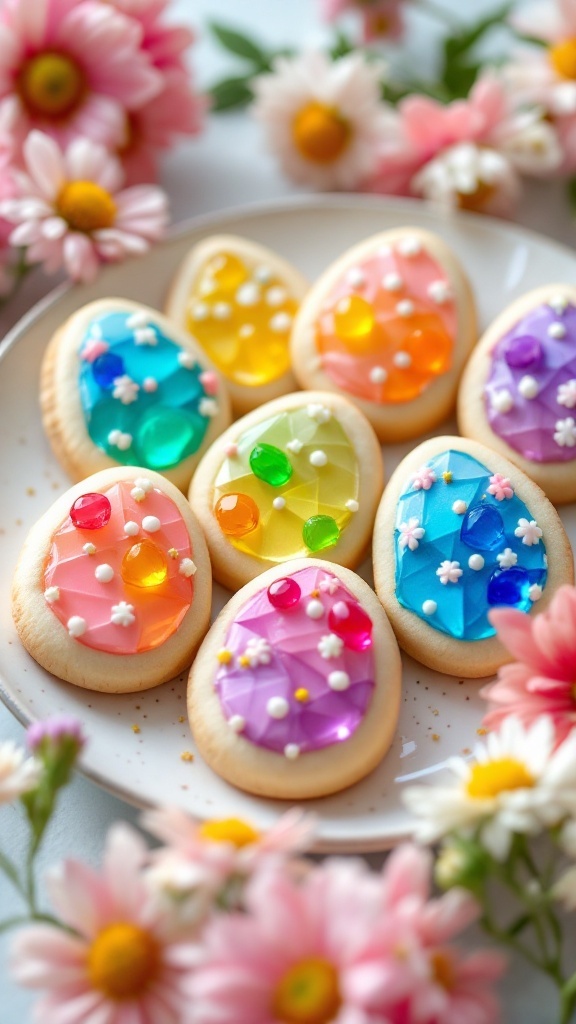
<point>227,166</point>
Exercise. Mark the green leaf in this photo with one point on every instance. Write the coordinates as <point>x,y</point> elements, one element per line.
<point>231,93</point>
<point>342,46</point>
<point>240,45</point>
<point>459,78</point>
<point>461,43</point>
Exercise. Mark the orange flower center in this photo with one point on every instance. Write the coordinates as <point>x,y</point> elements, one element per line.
<point>563,58</point>
<point>320,133</point>
<point>478,200</point>
<point>123,961</point>
<point>443,970</point>
<point>494,777</point>
<point>308,993</point>
<point>86,206</point>
<point>51,84</point>
<point>229,830</point>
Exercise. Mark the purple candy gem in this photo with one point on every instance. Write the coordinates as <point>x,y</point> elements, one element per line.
<point>523,352</point>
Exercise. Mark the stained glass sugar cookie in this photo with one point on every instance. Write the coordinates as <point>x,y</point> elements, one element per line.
<point>299,477</point>
<point>460,530</point>
<point>121,385</point>
<point>518,392</point>
<point>237,300</point>
<point>113,586</point>
<point>389,326</point>
<point>295,692</point>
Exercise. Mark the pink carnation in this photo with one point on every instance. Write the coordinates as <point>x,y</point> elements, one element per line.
<point>541,680</point>
<point>380,18</point>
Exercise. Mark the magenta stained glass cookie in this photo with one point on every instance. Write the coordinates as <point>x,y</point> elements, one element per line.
<point>295,691</point>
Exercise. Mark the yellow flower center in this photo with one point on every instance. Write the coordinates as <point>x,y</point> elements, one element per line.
<point>563,58</point>
<point>123,960</point>
<point>51,84</point>
<point>86,206</point>
<point>494,777</point>
<point>478,200</point>
<point>320,133</point>
<point>307,994</point>
<point>443,970</point>
<point>229,830</point>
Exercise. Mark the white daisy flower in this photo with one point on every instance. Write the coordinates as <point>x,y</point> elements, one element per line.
<point>470,177</point>
<point>18,773</point>
<point>529,531</point>
<point>411,534</point>
<point>258,651</point>
<point>324,119</point>
<point>565,433</point>
<point>449,572</point>
<point>517,782</point>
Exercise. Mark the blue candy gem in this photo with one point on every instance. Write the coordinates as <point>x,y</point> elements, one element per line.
<point>482,528</point>
<point>106,368</point>
<point>509,587</point>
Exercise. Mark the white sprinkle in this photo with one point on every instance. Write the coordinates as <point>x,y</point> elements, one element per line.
<point>104,573</point>
<point>281,323</point>
<point>186,359</point>
<point>429,607</point>
<point>440,292</point>
<point>291,751</point>
<point>131,528</point>
<point>246,331</point>
<point>378,375</point>
<point>409,246</point>
<point>528,387</point>
<point>277,707</point>
<point>120,440</point>
<point>279,503</point>
<point>559,304</point>
<point>392,282</point>
<point>187,568</point>
<point>314,609</point>
<point>262,274</point>
<point>208,407</point>
<point>356,277</point>
<point>144,483</point>
<point>138,493</point>
<point>405,307</point>
<point>151,524</point>
<point>557,330</point>
<point>122,614</point>
<point>459,507</point>
<point>318,412</point>
<point>476,562</point>
<point>200,311</point>
<point>276,296</point>
<point>502,401</point>
<point>137,320</point>
<point>52,594</point>
<point>330,646</point>
<point>295,446</point>
<point>222,310</point>
<point>352,505</point>
<point>339,681</point>
<point>402,360</point>
<point>318,458</point>
<point>145,336</point>
<point>248,294</point>
<point>76,626</point>
<point>507,558</point>
<point>237,723</point>
<point>89,548</point>
<point>535,592</point>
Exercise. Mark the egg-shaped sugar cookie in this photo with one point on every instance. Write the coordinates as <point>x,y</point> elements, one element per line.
<point>389,326</point>
<point>295,692</point>
<point>122,385</point>
<point>460,530</point>
<point>518,392</point>
<point>300,477</point>
<point>237,299</point>
<point>113,586</point>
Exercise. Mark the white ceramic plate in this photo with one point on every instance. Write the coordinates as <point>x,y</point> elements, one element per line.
<point>136,742</point>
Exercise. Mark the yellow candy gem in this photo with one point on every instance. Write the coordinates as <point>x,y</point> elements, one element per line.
<point>244,661</point>
<point>302,695</point>
<point>354,321</point>
<point>144,565</point>
<point>224,656</point>
<point>448,477</point>
<point>227,271</point>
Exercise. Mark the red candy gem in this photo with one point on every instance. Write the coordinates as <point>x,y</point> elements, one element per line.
<point>91,512</point>
<point>284,593</point>
<point>351,623</point>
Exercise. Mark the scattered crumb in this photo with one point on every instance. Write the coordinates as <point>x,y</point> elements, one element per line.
<point>181,718</point>
<point>186,755</point>
<point>435,711</point>
<point>481,731</point>
<point>435,737</point>
<point>466,750</point>
<point>31,491</point>
<point>135,728</point>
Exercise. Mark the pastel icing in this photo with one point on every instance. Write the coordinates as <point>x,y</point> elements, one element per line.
<point>126,586</point>
<point>388,326</point>
<point>288,486</point>
<point>530,394</point>
<point>241,313</point>
<point>146,400</point>
<point>286,680</point>
<point>464,543</point>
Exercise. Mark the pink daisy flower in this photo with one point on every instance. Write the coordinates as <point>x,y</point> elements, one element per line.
<point>121,963</point>
<point>380,18</point>
<point>70,212</point>
<point>72,68</point>
<point>541,680</point>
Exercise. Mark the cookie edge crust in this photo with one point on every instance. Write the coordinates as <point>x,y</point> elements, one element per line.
<point>463,658</point>
<point>318,773</point>
<point>46,638</point>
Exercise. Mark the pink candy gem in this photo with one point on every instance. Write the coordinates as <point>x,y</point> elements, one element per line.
<point>150,384</point>
<point>351,623</point>
<point>94,348</point>
<point>284,593</point>
<point>209,382</point>
<point>91,511</point>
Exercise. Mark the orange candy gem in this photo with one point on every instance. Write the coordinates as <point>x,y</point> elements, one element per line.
<point>144,565</point>
<point>237,514</point>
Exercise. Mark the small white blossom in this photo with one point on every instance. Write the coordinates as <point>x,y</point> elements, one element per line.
<point>329,585</point>
<point>330,646</point>
<point>145,336</point>
<point>423,479</point>
<point>122,614</point>
<point>567,394</point>
<point>411,534</point>
<point>507,558</point>
<point>258,651</point>
<point>18,773</point>
<point>449,572</point>
<point>125,389</point>
<point>529,531</point>
<point>565,433</point>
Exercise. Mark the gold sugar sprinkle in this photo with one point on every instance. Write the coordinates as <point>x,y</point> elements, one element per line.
<point>135,728</point>
<point>186,755</point>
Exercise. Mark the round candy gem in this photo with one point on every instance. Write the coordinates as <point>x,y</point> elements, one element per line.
<point>237,514</point>
<point>522,352</point>
<point>144,565</point>
<point>227,270</point>
<point>166,436</point>
<point>482,528</point>
<point>509,587</point>
<point>354,320</point>
<point>106,368</point>
<point>91,511</point>
<point>284,593</point>
<point>351,623</point>
<point>270,464</point>
<point>320,532</point>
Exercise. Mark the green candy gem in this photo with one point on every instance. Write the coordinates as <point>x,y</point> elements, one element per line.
<point>270,465</point>
<point>166,436</point>
<point>320,532</point>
